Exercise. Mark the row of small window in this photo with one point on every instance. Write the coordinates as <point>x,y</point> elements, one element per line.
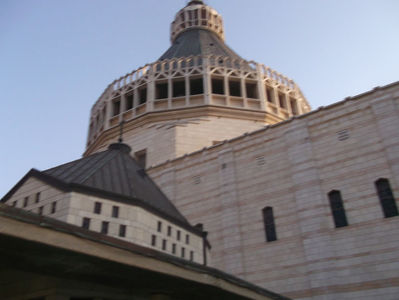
<point>98,208</point>
<point>26,200</point>
<point>169,232</point>
<point>384,192</point>
<point>104,227</point>
<point>173,249</point>
<point>40,210</point>
<point>196,87</point>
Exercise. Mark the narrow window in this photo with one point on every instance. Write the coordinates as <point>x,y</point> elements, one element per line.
<point>293,107</point>
<point>163,244</point>
<point>196,86</point>
<point>187,239</point>
<point>129,101</point>
<point>178,235</point>
<point>142,95</point>
<point>122,230</point>
<point>159,227</point>
<point>161,90</point>
<point>179,88</point>
<point>40,211</point>
<point>153,240</point>
<point>37,199</point>
<point>281,100</point>
<point>14,203</point>
<point>235,88</point>
<point>174,248</point>
<point>191,255</point>
<point>26,200</point>
<point>252,90</point>
<point>169,230</point>
<point>337,209</point>
<point>141,157</point>
<point>53,207</point>
<point>115,211</point>
<point>269,94</point>
<point>97,208</point>
<point>116,107</point>
<point>217,86</point>
<point>86,223</point>
<point>183,252</point>
<point>104,227</point>
<point>270,227</point>
<point>387,199</point>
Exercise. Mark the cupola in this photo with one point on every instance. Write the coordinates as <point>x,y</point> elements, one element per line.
<point>197,15</point>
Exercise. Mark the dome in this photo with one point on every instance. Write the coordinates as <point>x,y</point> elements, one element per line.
<point>198,77</point>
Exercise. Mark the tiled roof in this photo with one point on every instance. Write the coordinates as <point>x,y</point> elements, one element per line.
<point>198,42</point>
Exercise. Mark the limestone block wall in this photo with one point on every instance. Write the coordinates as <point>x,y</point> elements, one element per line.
<point>140,226</point>
<point>38,197</point>
<point>291,167</point>
<point>169,139</point>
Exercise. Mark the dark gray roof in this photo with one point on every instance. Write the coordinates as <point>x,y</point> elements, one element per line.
<point>198,42</point>
<point>112,174</point>
<point>115,171</point>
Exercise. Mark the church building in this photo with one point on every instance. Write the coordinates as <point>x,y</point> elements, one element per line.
<point>218,164</point>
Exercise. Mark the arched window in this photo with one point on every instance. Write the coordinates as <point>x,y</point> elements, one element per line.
<point>270,227</point>
<point>387,199</point>
<point>337,209</point>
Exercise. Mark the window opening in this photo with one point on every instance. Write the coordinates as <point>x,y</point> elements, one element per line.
<point>235,88</point>
<point>26,200</point>
<point>97,207</point>
<point>153,240</point>
<point>337,209</point>
<point>191,255</point>
<point>141,157</point>
<point>86,223</point>
<point>116,106</point>
<point>174,248</point>
<point>183,252</point>
<point>217,86</point>
<point>270,227</point>
<point>187,239</point>
<point>163,244</point>
<point>178,235</point>
<point>53,207</point>
<point>129,101</point>
<point>142,95</point>
<point>387,200</point>
<point>196,86</point>
<point>115,211</point>
<point>269,94</point>
<point>179,88</point>
<point>40,210</point>
<point>159,227</point>
<point>281,100</point>
<point>293,107</point>
<point>252,90</point>
<point>104,227</point>
<point>37,197</point>
<point>122,230</point>
<point>169,230</point>
<point>161,90</point>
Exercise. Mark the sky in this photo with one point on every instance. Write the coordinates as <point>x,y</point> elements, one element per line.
<point>57,57</point>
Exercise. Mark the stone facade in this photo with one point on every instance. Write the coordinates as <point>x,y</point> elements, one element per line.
<point>139,226</point>
<point>291,167</point>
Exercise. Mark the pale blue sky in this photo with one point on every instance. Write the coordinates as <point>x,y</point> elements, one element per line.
<point>56,58</point>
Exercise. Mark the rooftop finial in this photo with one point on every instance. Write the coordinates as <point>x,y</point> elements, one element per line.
<point>120,140</point>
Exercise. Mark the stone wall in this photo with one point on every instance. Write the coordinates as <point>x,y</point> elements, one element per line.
<point>291,167</point>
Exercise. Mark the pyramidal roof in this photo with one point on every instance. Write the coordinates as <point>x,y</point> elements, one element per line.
<point>111,174</point>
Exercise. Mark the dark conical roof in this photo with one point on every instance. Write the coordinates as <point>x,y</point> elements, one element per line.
<point>115,171</point>
<point>198,41</point>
